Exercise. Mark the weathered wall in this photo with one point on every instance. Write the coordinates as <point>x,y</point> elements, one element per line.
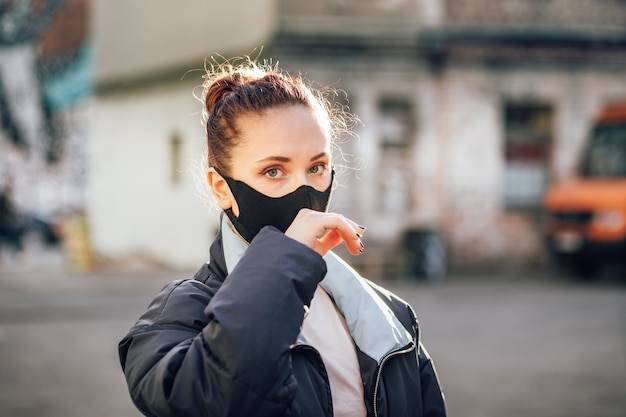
<point>144,197</point>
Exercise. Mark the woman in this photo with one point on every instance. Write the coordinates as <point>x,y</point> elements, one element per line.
<point>275,324</point>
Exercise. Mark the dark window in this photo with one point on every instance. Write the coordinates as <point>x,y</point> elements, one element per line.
<point>606,152</point>
<point>528,139</point>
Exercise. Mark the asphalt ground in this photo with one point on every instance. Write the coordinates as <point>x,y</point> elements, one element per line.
<point>510,345</point>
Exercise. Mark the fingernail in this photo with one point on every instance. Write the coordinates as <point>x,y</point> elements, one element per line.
<point>361,250</point>
<point>359,235</point>
<point>362,245</point>
<point>362,227</point>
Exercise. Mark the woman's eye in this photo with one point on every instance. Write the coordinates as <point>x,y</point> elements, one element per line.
<point>317,168</point>
<point>272,172</point>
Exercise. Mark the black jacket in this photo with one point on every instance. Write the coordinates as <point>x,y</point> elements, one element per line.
<point>222,345</point>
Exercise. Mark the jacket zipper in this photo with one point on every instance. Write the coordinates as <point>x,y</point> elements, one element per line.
<point>407,349</point>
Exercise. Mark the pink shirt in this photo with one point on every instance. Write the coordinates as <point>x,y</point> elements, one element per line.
<point>325,329</point>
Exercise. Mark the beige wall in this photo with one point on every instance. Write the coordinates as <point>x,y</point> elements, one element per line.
<point>146,36</point>
<point>135,206</point>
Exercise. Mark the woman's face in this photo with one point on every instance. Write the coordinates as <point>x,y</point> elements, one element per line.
<point>281,150</point>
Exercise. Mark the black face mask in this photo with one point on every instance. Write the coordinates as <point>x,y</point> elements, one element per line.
<point>257,210</point>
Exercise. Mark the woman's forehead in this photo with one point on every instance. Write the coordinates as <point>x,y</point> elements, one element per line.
<point>282,130</point>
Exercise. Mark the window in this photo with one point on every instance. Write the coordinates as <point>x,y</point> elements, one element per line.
<point>396,128</point>
<point>528,138</point>
<point>175,158</point>
<point>606,152</point>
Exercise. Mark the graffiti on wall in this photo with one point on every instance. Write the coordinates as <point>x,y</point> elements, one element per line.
<point>45,89</point>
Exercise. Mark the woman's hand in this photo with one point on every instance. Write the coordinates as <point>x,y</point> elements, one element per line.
<point>323,231</point>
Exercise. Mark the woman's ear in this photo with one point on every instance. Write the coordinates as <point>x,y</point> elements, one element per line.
<point>220,189</point>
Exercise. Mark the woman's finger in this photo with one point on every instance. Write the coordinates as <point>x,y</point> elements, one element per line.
<point>327,242</point>
<point>348,231</point>
<point>323,231</point>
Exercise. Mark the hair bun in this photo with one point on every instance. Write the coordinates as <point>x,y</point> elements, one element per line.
<point>220,88</point>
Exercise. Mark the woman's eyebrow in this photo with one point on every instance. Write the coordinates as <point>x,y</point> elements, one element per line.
<point>274,158</point>
<point>285,159</point>
<point>319,155</point>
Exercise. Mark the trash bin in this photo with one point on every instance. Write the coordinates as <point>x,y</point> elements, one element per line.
<point>425,254</point>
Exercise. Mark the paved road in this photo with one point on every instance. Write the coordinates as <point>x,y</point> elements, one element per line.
<point>503,347</point>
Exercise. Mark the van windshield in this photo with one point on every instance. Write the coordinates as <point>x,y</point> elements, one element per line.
<point>606,154</point>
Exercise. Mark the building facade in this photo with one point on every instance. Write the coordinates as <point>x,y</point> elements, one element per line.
<point>469,110</point>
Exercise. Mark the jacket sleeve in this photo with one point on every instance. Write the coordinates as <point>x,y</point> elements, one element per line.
<point>433,401</point>
<point>192,354</point>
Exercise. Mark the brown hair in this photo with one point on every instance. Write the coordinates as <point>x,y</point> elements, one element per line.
<point>231,91</point>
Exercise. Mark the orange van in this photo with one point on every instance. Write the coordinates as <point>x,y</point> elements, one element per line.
<point>586,216</point>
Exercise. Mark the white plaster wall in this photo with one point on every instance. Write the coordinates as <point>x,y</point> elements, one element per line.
<point>469,138</point>
<point>430,170</point>
<point>134,207</point>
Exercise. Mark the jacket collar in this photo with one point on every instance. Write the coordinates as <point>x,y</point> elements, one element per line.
<point>214,272</point>
<point>235,246</point>
<point>372,324</point>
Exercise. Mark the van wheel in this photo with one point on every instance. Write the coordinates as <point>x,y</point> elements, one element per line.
<point>583,268</point>
<point>570,265</point>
